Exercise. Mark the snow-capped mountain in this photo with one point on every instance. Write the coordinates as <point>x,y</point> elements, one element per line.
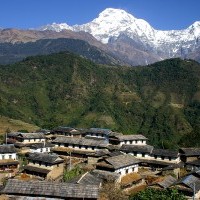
<point>112,24</point>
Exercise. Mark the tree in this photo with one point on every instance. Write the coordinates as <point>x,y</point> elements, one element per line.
<point>153,194</point>
<point>111,191</point>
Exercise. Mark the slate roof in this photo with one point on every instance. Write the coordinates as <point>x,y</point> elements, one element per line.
<point>45,131</point>
<point>31,135</point>
<point>89,179</point>
<point>189,181</point>
<point>80,141</point>
<point>167,182</point>
<point>130,137</point>
<point>155,162</point>
<point>165,153</point>
<point>9,148</point>
<point>36,169</point>
<point>174,166</point>
<point>45,157</point>
<point>64,129</point>
<point>122,161</point>
<point>105,175</point>
<point>136,148</point>
<point>112,134</point>
<point>190,151</point>
<point>194,163</point>
<point>13,134</point>
<point>99,130</point>
<point>50,189</point>
<point>40,145</point>
<point>8,162</point>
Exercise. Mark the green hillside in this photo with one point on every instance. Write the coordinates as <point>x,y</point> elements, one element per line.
<point>161,101</point>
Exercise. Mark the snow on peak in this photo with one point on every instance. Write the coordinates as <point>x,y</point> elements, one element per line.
<point>56,27</point>
<point>195,28</point>
<point>112,22</point>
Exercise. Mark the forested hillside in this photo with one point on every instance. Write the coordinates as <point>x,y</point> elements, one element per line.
<point>161,101</point>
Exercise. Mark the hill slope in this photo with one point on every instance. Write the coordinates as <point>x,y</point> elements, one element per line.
<point>160,100</point>
<point>10,53</point>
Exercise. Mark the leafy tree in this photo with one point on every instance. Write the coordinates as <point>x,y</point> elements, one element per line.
<point>110,191</point>
<point>153,194</point>
<point>68,175</point>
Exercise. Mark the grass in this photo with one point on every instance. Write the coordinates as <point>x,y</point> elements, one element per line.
<point>15,125</point>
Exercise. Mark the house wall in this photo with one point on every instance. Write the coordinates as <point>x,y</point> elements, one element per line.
<point>40,150</point>
<point>133,142</point>
<point>197,195</point>
<point>92,160</point>
<point>167,159</point>
<point>127,170</point>
<point>25,141</point>
<point>56,172</point>
<point>42,165</point>
<point>78,147</point>
<point>140,155</point>
<point>8,156</point>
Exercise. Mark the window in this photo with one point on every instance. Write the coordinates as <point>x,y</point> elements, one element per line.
<point>47,149</point>
<point>136,142</point>
<point>155,156</point>
<point>135,154</point>
<point>10,156</point>
<point>3,157</point>
<point>133,169</point>
<point>143,154</point>
<point>170,158</point>
<point>126,171</point>
<point>41,150</point>
<point>162,157</point>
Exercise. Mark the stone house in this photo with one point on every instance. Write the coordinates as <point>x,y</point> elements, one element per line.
<point>128,139</point>
<point>139,151</point>
<point>122,164</point>
<point>18,189</point>
<point>44,165</point>
<point>80,143</point>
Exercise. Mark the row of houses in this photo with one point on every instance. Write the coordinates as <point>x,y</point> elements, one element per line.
<point>112,154</point>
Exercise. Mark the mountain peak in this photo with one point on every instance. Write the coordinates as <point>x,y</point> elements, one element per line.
<point>114,12</point>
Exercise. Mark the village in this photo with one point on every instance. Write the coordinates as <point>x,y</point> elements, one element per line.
<point>38,164</point>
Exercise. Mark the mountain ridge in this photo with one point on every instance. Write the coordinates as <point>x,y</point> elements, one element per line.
<point>111,23</point>
<point>132,41</point>
<point>161,100</point>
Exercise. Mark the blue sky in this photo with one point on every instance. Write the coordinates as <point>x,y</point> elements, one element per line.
<point>161,14</point>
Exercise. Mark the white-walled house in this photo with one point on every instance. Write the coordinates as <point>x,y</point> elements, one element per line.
<point>8,152</point>
<point>41,147</point>
<point>122,164</point>
<point>27,138</point>
<point>8,156</point>
<point>166,155</point>
<point>100,133</point>
<point>80,143</point>
<point>128,139</point>
<point>44,165</point>
<point>139,151</point>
